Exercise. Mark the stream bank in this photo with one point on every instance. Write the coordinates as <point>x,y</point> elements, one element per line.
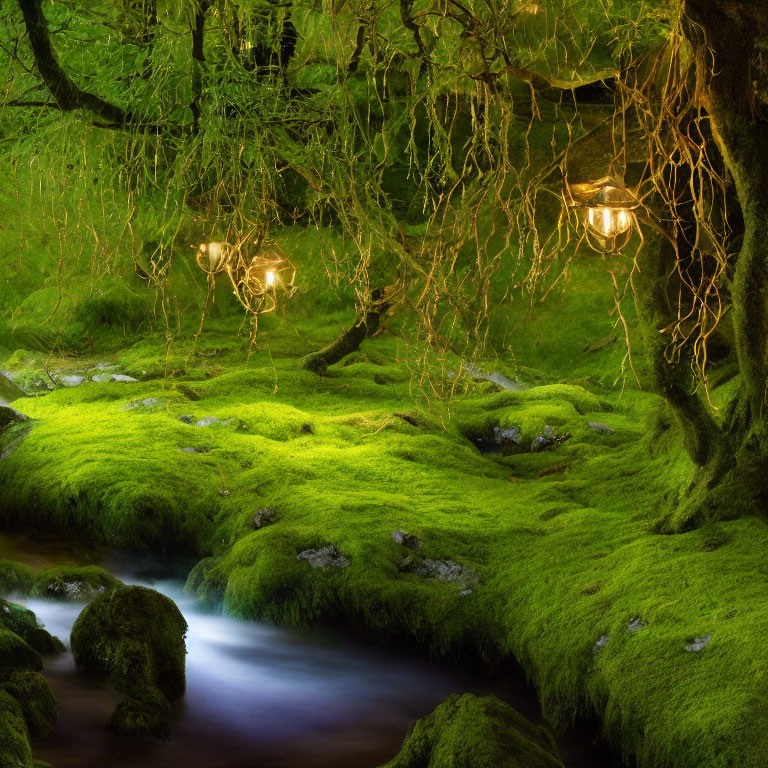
<point>276,698</point>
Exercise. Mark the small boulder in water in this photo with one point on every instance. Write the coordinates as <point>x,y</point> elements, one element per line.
<point>133,638</point>
<point>66,582</point>
<point>470,731</point>
<point>22,622</point>
<point>15,578</point>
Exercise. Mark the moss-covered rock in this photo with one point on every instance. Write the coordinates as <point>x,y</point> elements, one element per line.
<point>27,704</point>
<point>142,718</point>
<point>473,732</point>
<point>24,623</point>
<point>15,653</point>
<point>15,578</point>
<point>15,749</point>
<point>38,704</point>
<point>133,638</point>
<point>73,583</point>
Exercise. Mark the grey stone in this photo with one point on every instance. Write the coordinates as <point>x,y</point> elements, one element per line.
<point>446,571</point>
<point>635,625</point>
<point>207,421</point>
<point>223,492</point>
<point>507,438</point>
<point>497,378</point>
<point>466,592</point>
<point>195,450</point>
<point>407,539</point>
<point>100,378</point>
<point>72,380</point>
<point>263,517</point>
<point>601,429</point>
<point>698,644</point>
<point>121,377</point>
<point>187,418</point>
<point>601,643</point>
<point>548,439</point>
<point>147,402</point>
<point>324,557</point>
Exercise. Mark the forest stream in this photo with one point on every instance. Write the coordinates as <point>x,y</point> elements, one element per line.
<point>258,696</point>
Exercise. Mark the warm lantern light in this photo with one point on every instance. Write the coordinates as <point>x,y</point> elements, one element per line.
<point>606,209</point>
<point>255,281</point>
<point>213,257</point>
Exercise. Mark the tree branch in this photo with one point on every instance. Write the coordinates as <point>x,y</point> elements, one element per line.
<point>351,339</point>
<point>67,94</point>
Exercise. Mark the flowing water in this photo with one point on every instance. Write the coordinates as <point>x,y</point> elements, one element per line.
<point>258,696</point>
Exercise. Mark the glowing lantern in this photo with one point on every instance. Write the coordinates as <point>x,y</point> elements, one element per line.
<point>255,282</point>
<point>606,210</point>
<point>213,257</point>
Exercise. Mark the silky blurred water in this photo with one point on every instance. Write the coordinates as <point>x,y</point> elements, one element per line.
<point>262,697</point>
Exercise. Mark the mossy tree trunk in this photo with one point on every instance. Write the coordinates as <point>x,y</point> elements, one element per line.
<point>732,453</point>
<point>654,289</point>
<point>350,339</point>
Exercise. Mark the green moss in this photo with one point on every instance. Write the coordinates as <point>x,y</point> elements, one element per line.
<point>472,732</point>
<point>133,638</point>
<point>16,654</point>
<point>561,540</point>
<point>73,582</point>
<point>15,578</point>
<point>142,718</point>
<point>24,623</point>
<point>38,704</point>
<point>15,750</point>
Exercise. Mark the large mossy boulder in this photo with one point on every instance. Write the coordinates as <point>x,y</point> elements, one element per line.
<point>15,578</point>
<point>78,583</point>
<point>476,732</point>
<point>133,638</point>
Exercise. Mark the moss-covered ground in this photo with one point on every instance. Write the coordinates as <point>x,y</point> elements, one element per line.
<point>604,615</point>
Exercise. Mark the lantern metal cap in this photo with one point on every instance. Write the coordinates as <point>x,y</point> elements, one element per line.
<point>607,192</point>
